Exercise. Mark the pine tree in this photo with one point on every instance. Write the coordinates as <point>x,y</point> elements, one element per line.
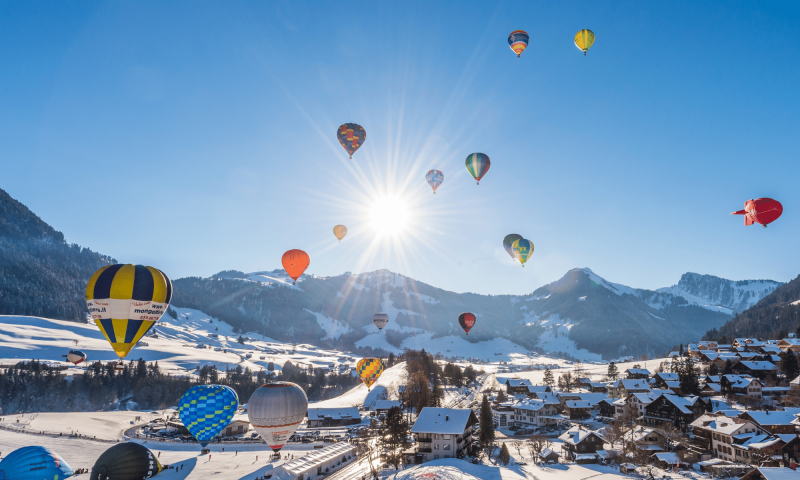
<point>437,395</point>
<point>486,423</point>
<point>504,457</point>
<point>728,369</point>
<point>501,397</point>
<point>548,379</point>
<point>613,373</point>
<point>394,437</point>
<point>680,351</point>
<point>687,376</point>
<point>789,365</point>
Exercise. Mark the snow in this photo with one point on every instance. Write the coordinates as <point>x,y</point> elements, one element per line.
<point>359,396</point>
<point>614,287</point>
<point>333,328</point>
<point>561,343</point>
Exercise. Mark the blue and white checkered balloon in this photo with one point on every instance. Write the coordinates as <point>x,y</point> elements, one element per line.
<point>206,409</point>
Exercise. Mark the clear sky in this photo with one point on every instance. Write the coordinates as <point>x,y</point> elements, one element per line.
<point>200,136</point>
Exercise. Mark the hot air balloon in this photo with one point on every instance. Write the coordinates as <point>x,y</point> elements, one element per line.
<point>125,301</point>
<point>351,136</point>
<point>508,240</point>
<point>295,263</point>
<point>34,463</point>
<point>477,165</point>
<point>207,409</point>
<point>75,356</point>
<point>380,320</point>
<point>467,321</point>
<point>369,369</point>
<point>434,179</point>
<point>340,231</point>
<point>518,41</point>
<point>584,40</point>
<point>126,461</point>
<point>762,211</point>
<point>276,410</point>
<point>523,249</point>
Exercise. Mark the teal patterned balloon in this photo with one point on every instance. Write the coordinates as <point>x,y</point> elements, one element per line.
<point>206,409</point>
<point>477,165</point>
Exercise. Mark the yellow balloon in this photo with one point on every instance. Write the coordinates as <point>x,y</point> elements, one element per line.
<point>522,249</point>
<point>584,40</point>
<point>340,231</point>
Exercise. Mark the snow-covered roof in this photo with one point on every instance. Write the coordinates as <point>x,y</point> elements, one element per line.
<point>670,457</point>
<point>714,387</point>
<point>770,418</point>
<point>532,404</point>
<point>712,378</point>
<point>315,458</point>
<point>575,436</point>
<point>538,388</point>
<point>645,398</point>
<point>592,397</point>
<point>444,420</point>
<point>577,404</point>
<point>336,413</point>
<point>720,424</point>
<point>739,380</point>
<point>790,342</point>
<point>632,384</point>
<point>638,371</point>
<point>667,376</point>
<point>758,365</point>
<point>778,473</point>
<point>514,382</point>
<point>547,452</point>
<point>673,384</point>
<point>386,404</point>
<point>682,403</point>
<point>758,442</point>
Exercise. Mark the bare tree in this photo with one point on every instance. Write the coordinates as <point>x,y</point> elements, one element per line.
<point>614,433</point>
<point>367,449</point>
<point>518,447</point>
<point>537,444</point>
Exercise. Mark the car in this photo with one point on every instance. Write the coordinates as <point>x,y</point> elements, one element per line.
<point>514,428</point>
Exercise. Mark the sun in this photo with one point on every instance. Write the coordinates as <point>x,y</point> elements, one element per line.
<point>389,215</point>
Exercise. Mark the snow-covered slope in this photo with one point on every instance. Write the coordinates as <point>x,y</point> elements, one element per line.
<point>718,293</point>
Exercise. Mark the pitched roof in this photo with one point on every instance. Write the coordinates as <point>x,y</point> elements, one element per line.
<point>777,473</point>
<point>577,404</point>
<point>770,418</point>
<point>575,436</point>
<point>719,424</point>
<point>669,457</point>
<point>738,380</point>
<point>532,404</point>
<point>538,388</point>
<point>386,404</point>
<point>638,371</point>
<point>667,376</point>
<point>758,365</point>
<point>337,413</point>
<point>631,384</point>
<point>444,420</point>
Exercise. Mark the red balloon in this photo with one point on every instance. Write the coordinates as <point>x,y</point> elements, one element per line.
<point>295,263</point>
<point>467,321</point>
<point>762,211</point>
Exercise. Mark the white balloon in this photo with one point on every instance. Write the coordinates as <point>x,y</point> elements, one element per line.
<point>276,410</point>
<point>380,320</point>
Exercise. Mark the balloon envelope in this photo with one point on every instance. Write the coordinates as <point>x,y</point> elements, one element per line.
<point>340,231</point>
<point>76,356</point>
<point>508,241</point>
<point>276,410</point>
<point>467,321</point>
<point>34,463</point>
<point>584,40</point>
<point>380,320</point>
<point>523,249</point>
<point>126,461</point>
<point>477,165</point>
<point>762,211</point>
<point>351,136</point>
<point>369,369</point>
<point>434,179</point>
<point>207,409</point>
<point>295,263</point>
<point>518,41</point>
<point>125,301</point>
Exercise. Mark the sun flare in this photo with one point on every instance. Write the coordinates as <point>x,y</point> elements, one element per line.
<point>389,215</point>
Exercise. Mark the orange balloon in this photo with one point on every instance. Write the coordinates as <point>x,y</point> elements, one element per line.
<point>295,263</point>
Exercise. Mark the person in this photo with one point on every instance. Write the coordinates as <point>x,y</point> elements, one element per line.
<point>256,458</point>
<point>237,453</point>
<point>159,454</point>
<point>181,466</point>
<point>209,457</point>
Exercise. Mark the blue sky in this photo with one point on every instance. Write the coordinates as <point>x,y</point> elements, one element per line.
<point>200,136</point>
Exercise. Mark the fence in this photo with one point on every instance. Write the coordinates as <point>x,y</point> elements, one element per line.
<point>23,429</point>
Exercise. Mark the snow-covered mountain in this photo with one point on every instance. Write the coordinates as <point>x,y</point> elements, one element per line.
<point>721,294</point>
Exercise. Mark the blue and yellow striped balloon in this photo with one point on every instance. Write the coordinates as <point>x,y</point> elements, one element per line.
<point>207,409</point>
<point>523,249</point>
<point>125,301</point>
<point>477,165</point>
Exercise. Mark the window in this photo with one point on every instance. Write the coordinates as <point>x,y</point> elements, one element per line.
<point>436,436</point>
<point>446,437</point>
<point>446,447</point>
<point>436,446</point>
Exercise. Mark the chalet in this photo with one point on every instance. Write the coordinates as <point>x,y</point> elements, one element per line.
<point>675,410</point>
<point>607,409</point>
<point>598,387</point>
<point>549,456</point>
<point>749,344</point>
<point>637,400</point>
<point>771,473</point>
<point>759,370</point>
<point>441,433</point>
<point>710,390</point>
<point>333,417</point>
<point>774,392</point>
<point>583,382</point>
<point>772,422</point>
<point>674,387</point>
<point>661,379</point>
<point>771,349</point>
<point>533,390</point>
<point>577,409</point>
<point>758,449</point>
<point>789,345</point>
<point>382,407</point>
<point>517,386</point>
<point>740,385</point>
<point>711,379</point>
<point>644,440</point>
<point>666,460</point>
<point>721,431</point>
<point>624,387</point>
<point>791,450</point>
<point>580,445</point>
<point>722,360</point>
<point>535,413</point>
<point>637,373</point>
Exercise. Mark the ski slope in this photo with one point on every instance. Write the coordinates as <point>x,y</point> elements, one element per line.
<point>387,385</point>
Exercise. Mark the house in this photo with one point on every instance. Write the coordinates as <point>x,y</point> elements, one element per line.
<point>503,415</point>
<point>644,439</point>
<point>515,386</point>
<point>772,422</point>
<point>637,400</point>
<point>666,460</point>
<point>789,345</point>
<point>333,417</point>
<point>637,373</point>
<point>381,407</point>
<point>441,433</point>
<point>748,344</point>
<point>740,385</point>
<point>674,387</point>
<point>758,449</point>
<point>791,449</point>
<point>583,382</point>
<point>771,473</point>
<point>549,456</point>
<point>675,410</point>
<point>534,390</point>
<point>577,409</point>
<point>607,409</point>
<point>770,349</point>
<point>535,413</point>
<point>661,379</point>
<point>759,370</point>
<point>624,387</point>
<point>580,445</point>
<point>720,431</point>
<point>710,390</point>
<point>598,387</point>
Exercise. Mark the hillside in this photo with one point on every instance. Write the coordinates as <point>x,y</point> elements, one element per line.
<point>772,317</point>
<point>40,273</point>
